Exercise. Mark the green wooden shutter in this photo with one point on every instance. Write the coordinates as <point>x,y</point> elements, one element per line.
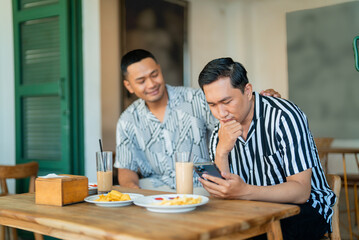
<point>35,3</point>
<point>42,84</point>
<point>42,136</point>
<point>40,50</point>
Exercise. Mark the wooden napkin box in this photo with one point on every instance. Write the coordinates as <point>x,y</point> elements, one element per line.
<point>61,191</point>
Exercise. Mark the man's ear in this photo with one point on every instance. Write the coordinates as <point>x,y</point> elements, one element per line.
<point>248,90</point>
<point>127,85</point>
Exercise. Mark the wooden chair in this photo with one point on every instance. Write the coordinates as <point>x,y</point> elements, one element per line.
<point>335,184</point>
<point>352,180</point>
<point>348,180</point>
<point>324,142</point>
<point>19,171</point>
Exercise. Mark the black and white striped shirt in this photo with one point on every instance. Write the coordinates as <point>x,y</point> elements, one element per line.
<point>279,144</point>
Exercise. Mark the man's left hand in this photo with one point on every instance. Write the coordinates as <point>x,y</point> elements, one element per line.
<point>232,187</point>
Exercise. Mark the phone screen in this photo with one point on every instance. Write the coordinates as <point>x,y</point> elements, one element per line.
<point>209,168</point>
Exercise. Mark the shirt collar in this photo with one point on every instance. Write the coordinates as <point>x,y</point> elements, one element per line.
<point>258,106</point>
<point>171,95</point>
<point>258,113</point>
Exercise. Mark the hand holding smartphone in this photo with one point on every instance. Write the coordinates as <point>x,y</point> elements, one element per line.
<point>209,168</point>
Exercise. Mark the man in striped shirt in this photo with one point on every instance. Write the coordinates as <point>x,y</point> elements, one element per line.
<point>265,151</point>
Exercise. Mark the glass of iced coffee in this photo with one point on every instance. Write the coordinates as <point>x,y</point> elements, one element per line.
<point>184,172</point>
<point>104,171</point>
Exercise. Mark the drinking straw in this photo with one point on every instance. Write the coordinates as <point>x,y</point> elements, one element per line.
<point>103,162</point>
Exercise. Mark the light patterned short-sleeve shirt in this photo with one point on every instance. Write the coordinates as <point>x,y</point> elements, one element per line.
<point>145,144</point>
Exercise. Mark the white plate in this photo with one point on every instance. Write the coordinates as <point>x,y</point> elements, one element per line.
<point>92,189</point>
<point>133,196</point>
<point>149,202</point>
<point>92,186</point>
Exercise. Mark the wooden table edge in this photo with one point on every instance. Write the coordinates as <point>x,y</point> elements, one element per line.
<point>16,219</point>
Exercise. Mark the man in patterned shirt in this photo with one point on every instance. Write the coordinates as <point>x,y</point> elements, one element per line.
<point>164,120</point>
<point>265,151</point>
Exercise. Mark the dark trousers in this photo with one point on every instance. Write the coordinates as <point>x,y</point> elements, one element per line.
<point>308,225</point>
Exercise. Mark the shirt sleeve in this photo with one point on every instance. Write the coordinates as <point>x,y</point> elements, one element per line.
<point>296,142</point>
<point>125,148</point>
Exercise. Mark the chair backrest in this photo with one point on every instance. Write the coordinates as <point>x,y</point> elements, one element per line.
<point>19,171</point>
<point>335,184</point>
<point>324,142</point>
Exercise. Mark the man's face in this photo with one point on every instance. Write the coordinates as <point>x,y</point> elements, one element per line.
<point>228,103</point>
<point>145,80</point>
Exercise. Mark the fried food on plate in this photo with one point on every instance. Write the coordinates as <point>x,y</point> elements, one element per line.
<point>180,201</point>
<point>113,196</point>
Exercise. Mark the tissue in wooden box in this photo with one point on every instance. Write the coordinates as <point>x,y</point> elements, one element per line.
<point>61,189</point>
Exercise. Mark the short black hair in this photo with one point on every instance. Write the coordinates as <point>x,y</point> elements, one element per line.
<point>224,67</point>
<point>134,56</point>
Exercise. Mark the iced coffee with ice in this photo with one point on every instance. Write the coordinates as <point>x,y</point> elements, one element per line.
<point>104,171</point>
<point>184,172</point>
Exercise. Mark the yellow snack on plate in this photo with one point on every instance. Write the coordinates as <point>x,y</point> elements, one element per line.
<point>113,196</point>
<point>180,201</point>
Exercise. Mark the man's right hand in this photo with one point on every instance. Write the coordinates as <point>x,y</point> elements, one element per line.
<point>128,178</point>
<point>228,134</point>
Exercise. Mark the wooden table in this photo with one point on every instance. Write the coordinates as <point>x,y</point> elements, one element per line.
<point>218,219</point>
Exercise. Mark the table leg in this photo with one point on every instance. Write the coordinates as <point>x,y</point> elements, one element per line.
<point>13,233</point>
<point>38,236</point>
<point>274,231</point>
<point>2,232</point>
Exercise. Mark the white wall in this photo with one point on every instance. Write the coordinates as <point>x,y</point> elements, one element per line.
<point>251,32</point>
<point>7,95</point>
<point>207,36</point>
<point>110,71</point>
<point>92,87</point>
<point>269,55</point>
<point>218,29</point>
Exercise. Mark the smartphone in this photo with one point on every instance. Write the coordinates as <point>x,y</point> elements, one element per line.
<point>209,168</point>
